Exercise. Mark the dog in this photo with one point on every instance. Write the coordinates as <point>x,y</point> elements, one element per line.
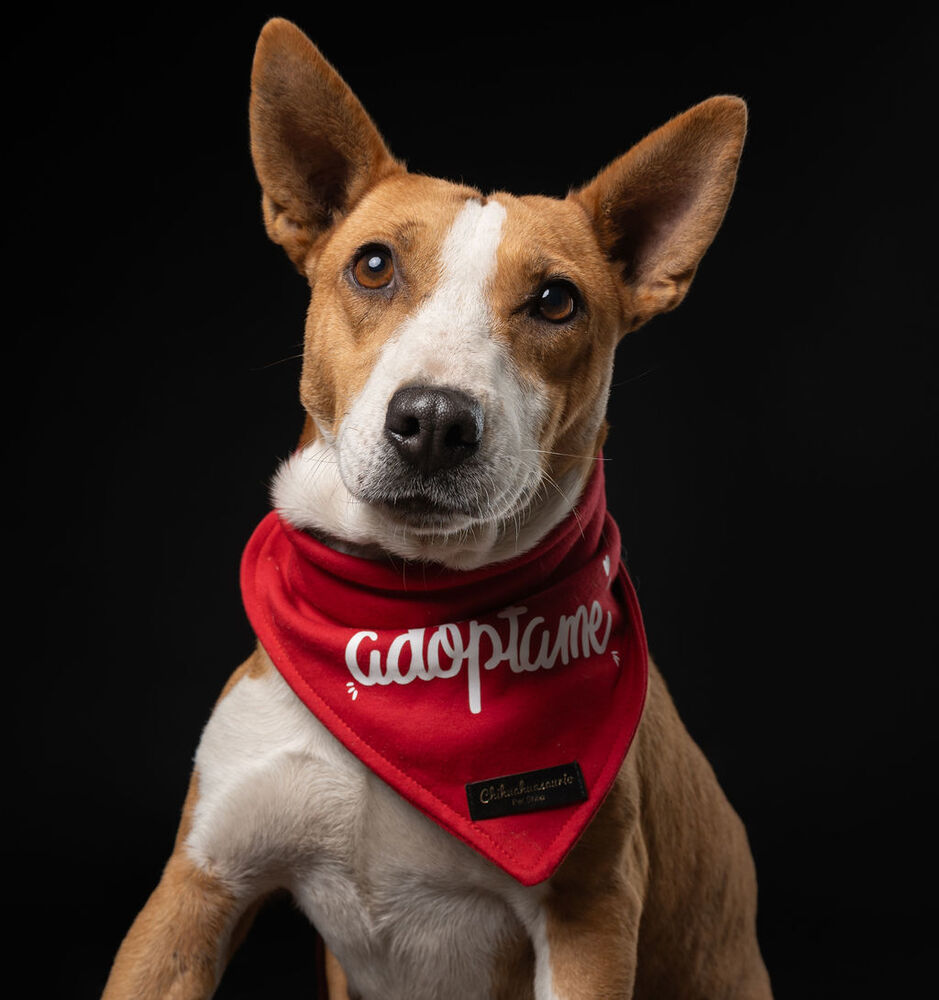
<point>457,364</point>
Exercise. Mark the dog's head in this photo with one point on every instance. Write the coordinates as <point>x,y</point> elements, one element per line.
<point>459,346</point>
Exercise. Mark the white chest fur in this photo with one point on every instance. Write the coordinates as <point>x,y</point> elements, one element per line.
<point>407,909</point>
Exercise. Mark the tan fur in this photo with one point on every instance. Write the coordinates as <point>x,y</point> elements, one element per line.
<point>698,931</point>
<point>309,432</point>
<point>336,978</point>
<point>596,899</point>
<point>658,897</point>
<point>663,873</point>
<point>568,363</point>
<point>176,946</point>
<point>256,665</point>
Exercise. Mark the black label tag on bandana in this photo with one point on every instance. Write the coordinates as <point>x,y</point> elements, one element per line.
<point>531,791</point>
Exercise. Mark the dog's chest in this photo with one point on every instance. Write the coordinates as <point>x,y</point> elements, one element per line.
<point>399,901</point>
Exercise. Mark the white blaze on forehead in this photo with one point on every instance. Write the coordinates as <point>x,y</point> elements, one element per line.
<point>457,314</point>
<point>433,344</point>
<point>468,258</point>
<point>445,342</point>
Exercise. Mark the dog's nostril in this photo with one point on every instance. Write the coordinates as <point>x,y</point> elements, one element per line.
<point>457,436</point>
<point>409,427</point>
<point>433,428</point>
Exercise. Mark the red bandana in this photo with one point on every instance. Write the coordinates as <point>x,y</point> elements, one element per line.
<point>500,701</point>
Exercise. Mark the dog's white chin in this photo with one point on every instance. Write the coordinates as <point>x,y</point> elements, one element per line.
<point>308,491</point>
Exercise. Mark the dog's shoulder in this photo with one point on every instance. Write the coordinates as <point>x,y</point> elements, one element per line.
<point>700,872</point>
<point>678,785</point>
<point>265,775</point>
<point>274,790</point>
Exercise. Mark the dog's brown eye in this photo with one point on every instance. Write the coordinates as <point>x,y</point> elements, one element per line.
<point>556,302</point>
<point>374,268</point>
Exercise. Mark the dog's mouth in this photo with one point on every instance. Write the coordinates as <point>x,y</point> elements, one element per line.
<point>425,506</point>
<point>478,492</point>
<point>417,506</point>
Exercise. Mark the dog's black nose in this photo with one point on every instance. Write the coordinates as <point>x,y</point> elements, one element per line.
<point>433,428</point>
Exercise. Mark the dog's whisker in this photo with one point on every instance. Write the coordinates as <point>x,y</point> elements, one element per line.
<point>564,454</point>
<point>280,361</point>
<point>636,377</point>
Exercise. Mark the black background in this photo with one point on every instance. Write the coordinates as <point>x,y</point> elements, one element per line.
<point>772,447</point>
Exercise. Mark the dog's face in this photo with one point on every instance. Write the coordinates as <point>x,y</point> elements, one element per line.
<point>459,347</point>
<point>454,343</point>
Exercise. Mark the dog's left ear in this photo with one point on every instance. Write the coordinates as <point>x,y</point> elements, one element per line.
<point>657,208</point>
<point>315,149</point>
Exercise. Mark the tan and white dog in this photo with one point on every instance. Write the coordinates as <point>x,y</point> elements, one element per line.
<point>457,364</point>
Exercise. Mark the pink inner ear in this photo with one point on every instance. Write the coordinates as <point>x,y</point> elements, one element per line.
<point>658,207</point>
<point>315,149</point>
<point>646,229</point>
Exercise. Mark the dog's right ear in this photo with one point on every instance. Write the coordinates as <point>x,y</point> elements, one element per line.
<point>657,208</point>
<point>315,150</point>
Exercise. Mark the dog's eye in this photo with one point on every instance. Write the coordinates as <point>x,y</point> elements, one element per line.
<point>556,302</point>
<point>374,268</point>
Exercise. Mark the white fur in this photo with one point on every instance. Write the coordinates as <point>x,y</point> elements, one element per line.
<point>410,911</point>
<point>446,342</point>
<point>544,979</point>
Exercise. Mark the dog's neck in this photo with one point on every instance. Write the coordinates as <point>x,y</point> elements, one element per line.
<point>309,493</point>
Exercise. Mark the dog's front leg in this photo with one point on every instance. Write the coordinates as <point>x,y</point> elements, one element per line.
<point>585,927</point>
<point>585,946</point>
<point>198,914</point>
<point>182,939</point>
